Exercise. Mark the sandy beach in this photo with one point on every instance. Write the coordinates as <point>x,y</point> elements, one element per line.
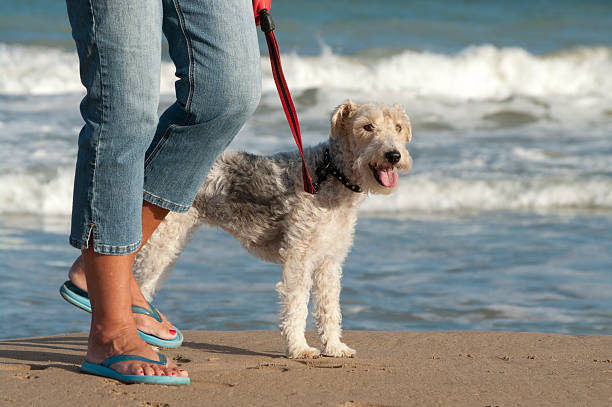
<point>391,369</point>
<point>501,231</point>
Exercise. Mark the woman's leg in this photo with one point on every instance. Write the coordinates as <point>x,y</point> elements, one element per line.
<point>214,47</point>
<point>119,52</point>
<point>113,330</point>
<point>152,216</point>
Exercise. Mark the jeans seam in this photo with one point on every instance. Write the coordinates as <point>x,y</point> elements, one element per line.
<point>105,248</point>
<point>158,147</point>
<point>175,206</point>
<point>181,17</point>
<point>110,249</point>
<point>93,227</point>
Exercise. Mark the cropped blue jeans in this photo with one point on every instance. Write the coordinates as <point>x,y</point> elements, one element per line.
<point>126,152</point>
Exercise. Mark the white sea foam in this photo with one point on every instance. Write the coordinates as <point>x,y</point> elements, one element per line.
<point>429,193</point>
<point>52,195</point>
<point>476,73</point>
<point>23,193</point>
<point>478,88</point>
<point>35,70</point>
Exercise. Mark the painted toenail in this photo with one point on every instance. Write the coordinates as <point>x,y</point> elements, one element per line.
<point>172,331</point>
<point>163,374</point>
<point>173,374</point>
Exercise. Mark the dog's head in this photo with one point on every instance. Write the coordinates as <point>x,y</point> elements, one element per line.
<point>373,139</point>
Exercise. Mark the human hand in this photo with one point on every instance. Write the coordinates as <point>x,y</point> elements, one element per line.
<point>259,5</point>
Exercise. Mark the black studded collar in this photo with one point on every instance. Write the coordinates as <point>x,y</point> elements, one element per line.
<point>329,169</point>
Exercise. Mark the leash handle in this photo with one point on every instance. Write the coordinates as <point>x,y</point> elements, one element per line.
<point>267,26</point>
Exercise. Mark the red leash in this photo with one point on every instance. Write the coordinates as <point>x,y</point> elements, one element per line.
<point>267,26</point>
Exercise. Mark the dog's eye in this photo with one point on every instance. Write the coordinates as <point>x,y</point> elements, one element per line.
<point>368,127</point>
<point>398,127</point>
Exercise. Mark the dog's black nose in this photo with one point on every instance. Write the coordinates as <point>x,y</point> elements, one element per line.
<point>393,156</point>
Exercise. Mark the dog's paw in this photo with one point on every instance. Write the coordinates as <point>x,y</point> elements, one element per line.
<point>306,352</point>
<point>339,350</point>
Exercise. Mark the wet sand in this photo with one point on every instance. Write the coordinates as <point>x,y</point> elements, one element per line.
<point>391,369</point>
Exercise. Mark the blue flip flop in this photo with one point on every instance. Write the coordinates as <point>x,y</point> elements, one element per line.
<point>104,370</point>
<point>77,297</point>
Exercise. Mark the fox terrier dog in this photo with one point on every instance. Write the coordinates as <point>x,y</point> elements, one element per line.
<point>260,201</point>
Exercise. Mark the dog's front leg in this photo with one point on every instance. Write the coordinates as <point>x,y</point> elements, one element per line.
<point>294,292</point>
<point>328,317</point>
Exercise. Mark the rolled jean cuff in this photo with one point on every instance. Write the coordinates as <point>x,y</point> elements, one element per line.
<point>104,248</point>
<point>164,203</point>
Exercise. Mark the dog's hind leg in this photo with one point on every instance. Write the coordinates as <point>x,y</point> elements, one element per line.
<point>157,257</point>
<point>294,291</point>
<point>326,304</point>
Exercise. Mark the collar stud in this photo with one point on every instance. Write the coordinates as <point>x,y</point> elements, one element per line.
<point>327,168</point>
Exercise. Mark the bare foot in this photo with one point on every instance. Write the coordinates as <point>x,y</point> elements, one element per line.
<point>105,342</point>
<point>146,324</point>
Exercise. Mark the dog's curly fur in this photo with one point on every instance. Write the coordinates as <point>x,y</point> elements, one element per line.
<point>260,201</point>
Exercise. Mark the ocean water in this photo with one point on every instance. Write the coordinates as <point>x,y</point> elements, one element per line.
<point>504,223</point>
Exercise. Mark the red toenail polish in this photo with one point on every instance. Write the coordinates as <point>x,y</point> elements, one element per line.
<point>163,374</point>
<point>172,331</point>
<point>173,374</point>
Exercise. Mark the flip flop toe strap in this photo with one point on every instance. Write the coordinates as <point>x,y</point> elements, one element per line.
<point>153,313</point>
<point>122,358</point>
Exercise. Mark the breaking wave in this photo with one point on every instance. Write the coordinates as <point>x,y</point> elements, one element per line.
<point>476,73</point>
<point>52,195</point>
<point>428,193</point>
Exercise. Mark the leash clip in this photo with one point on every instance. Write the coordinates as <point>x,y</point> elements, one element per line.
<point>265,21</point>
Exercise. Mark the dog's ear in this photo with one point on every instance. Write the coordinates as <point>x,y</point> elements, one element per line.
<point>405,121</point>
<point>343,112</point>
<point>399,108</point>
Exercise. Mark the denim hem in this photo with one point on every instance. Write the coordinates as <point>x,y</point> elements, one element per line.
<point>164,203</point>
<point>105,248</point>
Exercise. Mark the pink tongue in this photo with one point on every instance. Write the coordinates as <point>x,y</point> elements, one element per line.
<point>388,177</point>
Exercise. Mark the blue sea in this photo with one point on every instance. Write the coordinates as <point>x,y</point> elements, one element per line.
<point>504,223</point>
